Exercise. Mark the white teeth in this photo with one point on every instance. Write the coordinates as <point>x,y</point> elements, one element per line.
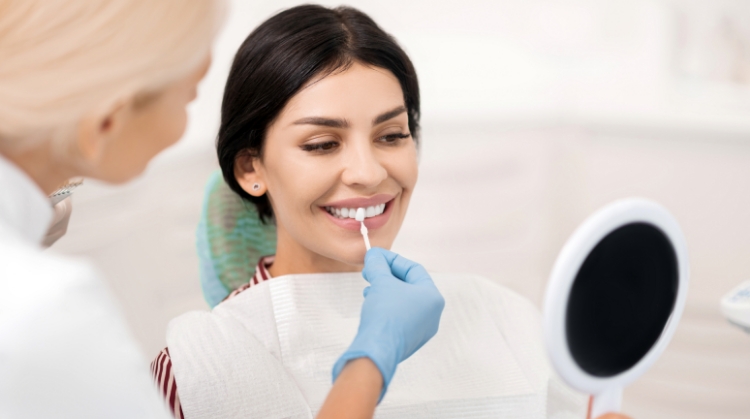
<point>343,213</point>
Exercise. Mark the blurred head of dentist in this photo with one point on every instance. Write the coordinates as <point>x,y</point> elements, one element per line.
<point>92,88</point>
<point>98,88</point>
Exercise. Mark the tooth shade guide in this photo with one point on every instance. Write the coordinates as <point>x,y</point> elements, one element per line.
<point>360,216</point>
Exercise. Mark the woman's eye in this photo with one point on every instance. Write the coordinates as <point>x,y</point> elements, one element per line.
<point>394,138</point>
<point>320,147</point>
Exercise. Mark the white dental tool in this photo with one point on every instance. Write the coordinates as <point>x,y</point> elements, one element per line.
<point>360,216</point>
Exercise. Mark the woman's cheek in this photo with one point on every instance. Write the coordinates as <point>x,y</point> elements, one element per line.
<point>405,169</point>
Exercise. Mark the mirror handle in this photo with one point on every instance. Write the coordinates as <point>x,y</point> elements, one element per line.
<point>608,401</point>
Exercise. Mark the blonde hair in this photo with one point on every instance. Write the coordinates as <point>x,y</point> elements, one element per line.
<point>60,59</point>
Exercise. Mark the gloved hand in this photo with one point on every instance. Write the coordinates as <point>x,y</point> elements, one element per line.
<point>401,313</point>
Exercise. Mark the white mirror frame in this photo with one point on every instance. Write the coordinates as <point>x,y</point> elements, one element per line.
<point>607,392</point>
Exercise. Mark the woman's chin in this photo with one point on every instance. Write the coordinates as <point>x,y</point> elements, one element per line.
<point>355,255</point>
<point>346,257</point>
<point>343,251</point>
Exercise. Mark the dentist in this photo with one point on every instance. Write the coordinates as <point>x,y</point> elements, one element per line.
<point>97,89</point>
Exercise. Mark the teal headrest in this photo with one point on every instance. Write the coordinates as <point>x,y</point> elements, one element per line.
<point>230,239</point>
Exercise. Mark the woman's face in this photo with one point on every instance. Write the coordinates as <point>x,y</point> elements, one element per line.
<point>342,143</point>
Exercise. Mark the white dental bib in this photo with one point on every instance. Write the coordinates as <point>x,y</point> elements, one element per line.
<point>268,353</point>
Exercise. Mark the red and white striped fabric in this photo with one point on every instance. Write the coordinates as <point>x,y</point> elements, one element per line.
<point>161,369</point>
<point>161,366</point>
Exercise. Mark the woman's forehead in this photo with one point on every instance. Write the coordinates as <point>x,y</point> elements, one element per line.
<point>358,93</point>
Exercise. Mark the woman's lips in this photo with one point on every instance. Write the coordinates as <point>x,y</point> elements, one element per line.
<point>371,222</point>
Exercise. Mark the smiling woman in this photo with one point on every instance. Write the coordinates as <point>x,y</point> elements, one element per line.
<point>320,118</point>
<point>326,120</point>
<point>342,142</point>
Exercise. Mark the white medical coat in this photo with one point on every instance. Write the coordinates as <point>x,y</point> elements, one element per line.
<point>65,350</point>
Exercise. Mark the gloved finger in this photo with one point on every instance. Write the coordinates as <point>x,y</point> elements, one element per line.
<point>366,291</point>
<point>404,269</point>
<point>409,271</point>
<point>387,254</point>
<point>376,267</point>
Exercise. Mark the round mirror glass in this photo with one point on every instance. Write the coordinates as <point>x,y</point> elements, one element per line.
<point>621,299</point>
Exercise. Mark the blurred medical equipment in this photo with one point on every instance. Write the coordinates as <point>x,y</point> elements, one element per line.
<point>614,298</point>
<point>62,209</point>
<point>736,306</point>
<point>360,216</point>
<point>64,191</point>
<point>59,224</point>
<point>230,240</point>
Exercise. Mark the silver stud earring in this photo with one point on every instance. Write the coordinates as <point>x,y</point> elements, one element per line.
<point>256,186</point>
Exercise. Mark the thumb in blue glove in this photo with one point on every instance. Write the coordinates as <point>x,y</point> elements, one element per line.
<point>401,312</point>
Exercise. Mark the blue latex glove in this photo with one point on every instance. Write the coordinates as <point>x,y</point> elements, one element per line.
<point>401,313</point>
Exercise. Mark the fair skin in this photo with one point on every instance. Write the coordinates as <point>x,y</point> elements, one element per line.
<point>346,136</point>
<point>342,141</point>
<point>355,393</point>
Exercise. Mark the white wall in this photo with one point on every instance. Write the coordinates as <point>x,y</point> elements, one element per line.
<point>643,63</point>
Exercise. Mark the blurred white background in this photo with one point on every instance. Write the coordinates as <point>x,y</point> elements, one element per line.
<point>535,113</point>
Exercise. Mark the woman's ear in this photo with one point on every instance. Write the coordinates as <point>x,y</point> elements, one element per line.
<point>249,174</point>
<point>97,129</point>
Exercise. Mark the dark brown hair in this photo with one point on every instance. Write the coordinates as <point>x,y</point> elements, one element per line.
<point>279,57</point>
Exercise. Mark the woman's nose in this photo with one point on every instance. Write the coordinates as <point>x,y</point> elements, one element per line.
<point>362,167</point>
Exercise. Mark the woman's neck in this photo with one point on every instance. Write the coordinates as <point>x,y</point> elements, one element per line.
<point>41,166</point>
<point>293,258</point>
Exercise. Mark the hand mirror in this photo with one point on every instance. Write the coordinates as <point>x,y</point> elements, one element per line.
<point>614,298</point>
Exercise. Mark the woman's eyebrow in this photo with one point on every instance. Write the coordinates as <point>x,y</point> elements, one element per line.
<point>324,122</point>
<point>343,123</point>
<point>388,115</point>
